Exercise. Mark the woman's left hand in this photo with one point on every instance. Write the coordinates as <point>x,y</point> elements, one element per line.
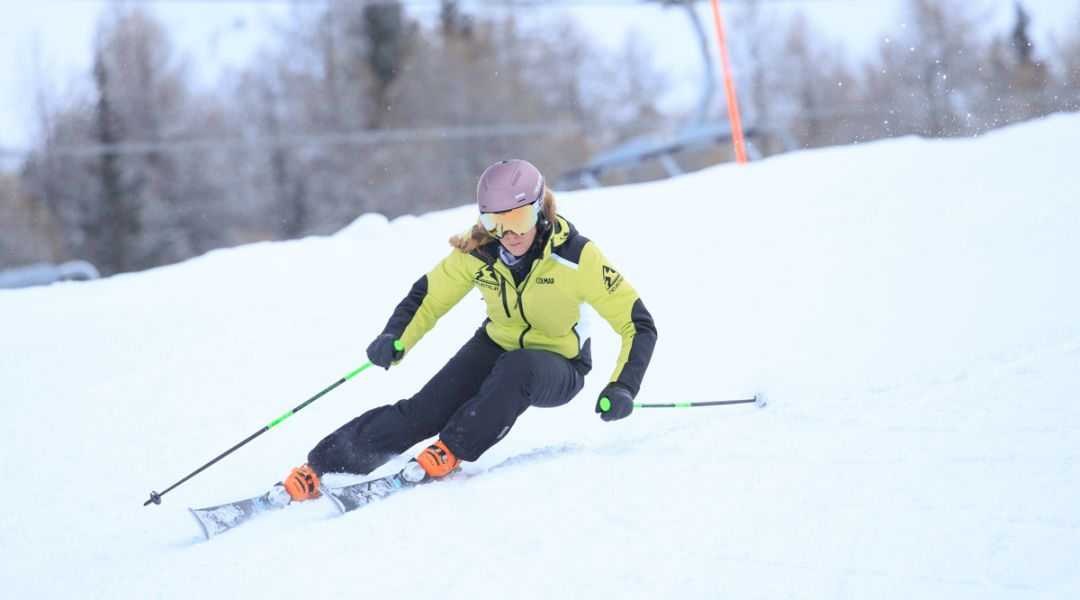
<point>615,402</point>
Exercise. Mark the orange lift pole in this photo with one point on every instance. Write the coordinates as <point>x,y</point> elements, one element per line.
<point>729,86</point>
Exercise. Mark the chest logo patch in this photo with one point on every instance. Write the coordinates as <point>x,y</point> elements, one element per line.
<point>485,277</point>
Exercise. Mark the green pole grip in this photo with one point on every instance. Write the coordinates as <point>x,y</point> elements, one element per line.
<point>398,345</point>
<point>605,404</point>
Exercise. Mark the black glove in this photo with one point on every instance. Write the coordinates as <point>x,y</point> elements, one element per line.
<point>382,352</point>
<point>619,405</point>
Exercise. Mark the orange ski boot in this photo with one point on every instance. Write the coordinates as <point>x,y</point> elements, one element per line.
<point>302,484</point>
<point>437,460</point>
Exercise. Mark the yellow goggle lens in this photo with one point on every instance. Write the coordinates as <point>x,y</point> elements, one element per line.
<point>519,220</point>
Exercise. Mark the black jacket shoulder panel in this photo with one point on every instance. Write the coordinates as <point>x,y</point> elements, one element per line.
<point>488,253</point>
<point>571,248</point>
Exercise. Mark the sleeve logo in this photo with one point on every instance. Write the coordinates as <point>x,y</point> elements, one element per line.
<point>612,279</point>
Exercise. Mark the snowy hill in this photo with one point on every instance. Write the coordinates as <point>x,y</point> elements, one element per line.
<point>909,306</point>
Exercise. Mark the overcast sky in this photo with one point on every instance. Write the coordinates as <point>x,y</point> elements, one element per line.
<point>54,37</point>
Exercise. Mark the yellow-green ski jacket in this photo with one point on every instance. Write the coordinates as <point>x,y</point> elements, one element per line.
<point>543,312</point>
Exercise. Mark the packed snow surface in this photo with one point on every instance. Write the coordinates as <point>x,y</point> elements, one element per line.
<point>910,307</point>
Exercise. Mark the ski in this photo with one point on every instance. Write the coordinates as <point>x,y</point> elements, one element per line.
<point>352,497</point>
<point>215,520</point>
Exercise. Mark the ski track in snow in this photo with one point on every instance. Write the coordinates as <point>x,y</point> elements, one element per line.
<point>908,306</point>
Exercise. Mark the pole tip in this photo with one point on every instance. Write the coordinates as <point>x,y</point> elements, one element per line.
<point>759,400</point>
<point>154,497</point>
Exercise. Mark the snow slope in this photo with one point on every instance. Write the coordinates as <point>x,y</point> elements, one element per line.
<point>909,306</point>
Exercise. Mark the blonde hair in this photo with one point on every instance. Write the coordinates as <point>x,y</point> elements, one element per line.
<point>478,236</point>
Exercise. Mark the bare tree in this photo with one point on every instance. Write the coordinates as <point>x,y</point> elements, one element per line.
<point>29,235</point>
<point>63,185</point>
<point>815,91</point>
<point>125,210</point>
<point>1068,86</point>
<point>934,71</point>
<point>131,175</point>
<point>756,50</point>
<point>386,34</point>
<point>454,23</point>
<point>151,213</point>
<point>117,221</point>
<point>1021,81</point>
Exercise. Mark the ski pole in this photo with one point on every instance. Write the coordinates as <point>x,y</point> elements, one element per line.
<point>758,399</point>
<point>155,497</point>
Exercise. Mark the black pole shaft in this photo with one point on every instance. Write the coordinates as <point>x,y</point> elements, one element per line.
<point>693,404</point>
<point>155,497</point>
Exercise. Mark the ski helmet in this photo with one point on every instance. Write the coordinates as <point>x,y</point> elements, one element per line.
<point>507,185</point>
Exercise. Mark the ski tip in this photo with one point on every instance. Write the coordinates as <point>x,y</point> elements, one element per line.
<point>202,526</point>
<point>759,400</point>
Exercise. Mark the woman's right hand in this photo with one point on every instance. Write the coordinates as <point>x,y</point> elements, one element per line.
<point>385,350</point>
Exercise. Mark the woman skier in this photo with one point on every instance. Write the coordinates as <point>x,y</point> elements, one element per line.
<point>528,351</point>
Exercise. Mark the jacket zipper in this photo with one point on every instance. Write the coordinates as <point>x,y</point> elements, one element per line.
<point>502,292</point>
<point>521,302</point>
<point>528,325</point>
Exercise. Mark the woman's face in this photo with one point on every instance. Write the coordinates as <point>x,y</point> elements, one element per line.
<point>518,244</point>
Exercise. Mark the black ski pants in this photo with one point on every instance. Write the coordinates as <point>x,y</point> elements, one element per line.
<point>471,404</point>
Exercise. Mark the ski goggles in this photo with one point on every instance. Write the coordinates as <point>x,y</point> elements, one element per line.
<point>517,220</point>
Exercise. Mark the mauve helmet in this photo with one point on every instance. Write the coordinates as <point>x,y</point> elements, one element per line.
<point>507,185</point>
